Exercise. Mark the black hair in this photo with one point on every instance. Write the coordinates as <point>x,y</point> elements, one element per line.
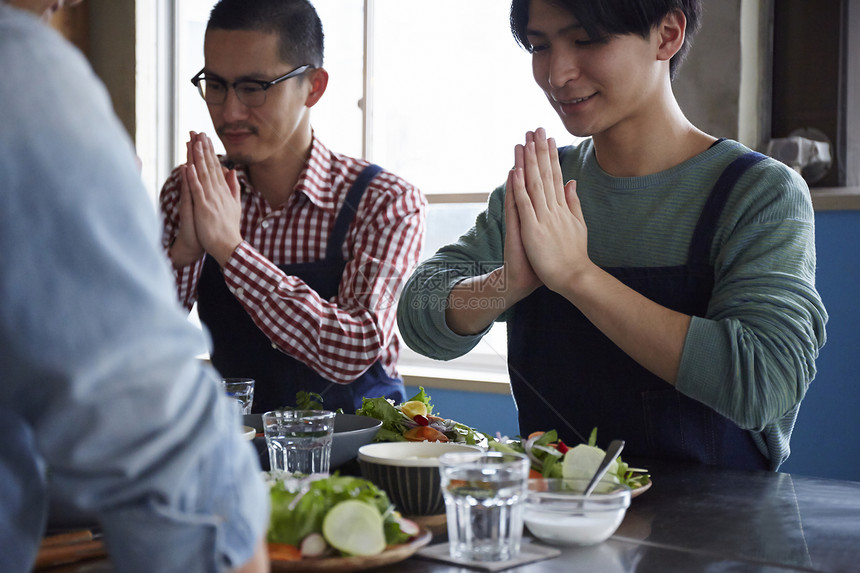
<point>600,18</point>
<point>294,21</point>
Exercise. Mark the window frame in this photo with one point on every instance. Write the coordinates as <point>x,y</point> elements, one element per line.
<point>158,42</point>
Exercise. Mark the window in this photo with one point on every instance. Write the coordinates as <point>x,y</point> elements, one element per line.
<point>816,95</point>
<point>439,93</point>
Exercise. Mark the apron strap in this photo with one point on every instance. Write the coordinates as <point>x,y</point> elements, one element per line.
<point>706,228</point>
<point>348,211</point>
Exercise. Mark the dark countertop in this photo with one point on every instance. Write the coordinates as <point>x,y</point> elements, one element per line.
<point>698,518</point>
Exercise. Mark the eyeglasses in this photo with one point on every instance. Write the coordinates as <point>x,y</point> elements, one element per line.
<point>252,93</point>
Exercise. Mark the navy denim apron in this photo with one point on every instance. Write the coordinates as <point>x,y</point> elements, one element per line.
<point>568,376</point>
<point>240,349</point>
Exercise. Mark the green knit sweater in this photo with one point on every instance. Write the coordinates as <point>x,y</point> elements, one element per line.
<point>752,356</point>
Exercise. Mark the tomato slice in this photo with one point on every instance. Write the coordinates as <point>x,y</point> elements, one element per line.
<point>424,434</point>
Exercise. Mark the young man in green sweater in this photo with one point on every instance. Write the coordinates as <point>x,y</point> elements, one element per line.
<point>658,283</point>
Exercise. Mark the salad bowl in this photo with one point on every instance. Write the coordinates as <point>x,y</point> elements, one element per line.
<point>557,511</point>
<point>409,473</point>
<point>335,523</point>
<point>350,433</point>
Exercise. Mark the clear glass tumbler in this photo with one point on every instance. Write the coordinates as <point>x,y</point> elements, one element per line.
<point>484,497</point>
<point>299,441</point>
<point>242,389</point>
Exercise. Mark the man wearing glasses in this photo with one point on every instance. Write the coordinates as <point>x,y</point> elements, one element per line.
<point>294,254</point>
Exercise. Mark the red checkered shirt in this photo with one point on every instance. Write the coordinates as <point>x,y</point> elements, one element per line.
<point>342,337</point>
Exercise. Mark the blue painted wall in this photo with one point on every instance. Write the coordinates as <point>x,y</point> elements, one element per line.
<point>826,439</point>
<point>488,413</point>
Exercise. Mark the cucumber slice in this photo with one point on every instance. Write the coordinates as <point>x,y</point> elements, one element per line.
<point>354,527</point>
<point>582,462</point>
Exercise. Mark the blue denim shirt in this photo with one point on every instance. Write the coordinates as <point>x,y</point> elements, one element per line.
<point>102,402</point>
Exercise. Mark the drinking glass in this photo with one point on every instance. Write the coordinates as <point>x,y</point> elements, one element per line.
<point>242,389</point>
<point>484,497</point>
<point>299,441</point>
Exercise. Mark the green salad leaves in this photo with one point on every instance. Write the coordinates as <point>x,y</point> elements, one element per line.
<point>396,422</point>
<point>553,459</point>
<point>297,514</point>
<point>393,422</point>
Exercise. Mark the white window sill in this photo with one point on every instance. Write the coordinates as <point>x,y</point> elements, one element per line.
<point>448,378</point>
<point>835,198</point>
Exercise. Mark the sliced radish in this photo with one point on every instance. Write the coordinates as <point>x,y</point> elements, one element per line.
<point>408,526</point>
<point>314,545</point>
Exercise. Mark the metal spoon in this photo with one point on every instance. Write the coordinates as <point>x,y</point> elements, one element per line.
<point>612,452</point>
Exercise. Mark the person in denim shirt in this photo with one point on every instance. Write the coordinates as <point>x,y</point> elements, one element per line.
<point>104,407</point>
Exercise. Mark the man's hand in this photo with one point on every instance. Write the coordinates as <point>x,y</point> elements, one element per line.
<point>554,234</point>
<point>519,276</point>
<point>508,284</point>
<point>186,247</point>
<point>215,192</point>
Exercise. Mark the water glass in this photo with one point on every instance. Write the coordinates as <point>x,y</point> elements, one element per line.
<point>484,498</point>
<point>242,389</point>
<point>299,441</point>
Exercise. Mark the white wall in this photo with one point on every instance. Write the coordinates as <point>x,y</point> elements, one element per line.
<point>708,85</point>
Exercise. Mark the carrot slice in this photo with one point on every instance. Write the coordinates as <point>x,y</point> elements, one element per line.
<point>284,552</point>
<point>535,435</point>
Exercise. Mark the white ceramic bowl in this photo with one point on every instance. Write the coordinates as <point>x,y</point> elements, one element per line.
<point>557,512</point>
<point>409,473</point>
